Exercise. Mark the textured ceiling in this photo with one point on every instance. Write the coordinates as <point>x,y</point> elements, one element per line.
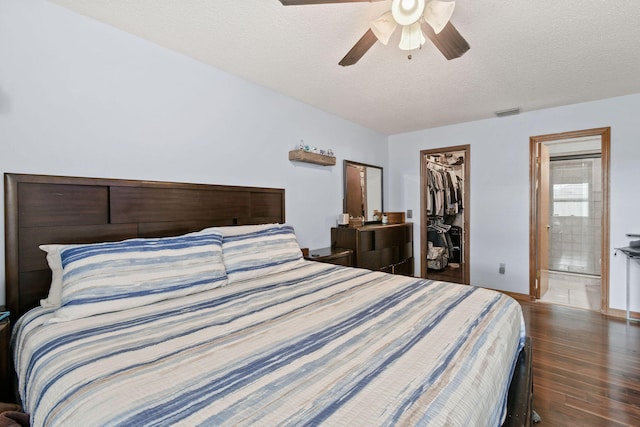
<point>526,54</point>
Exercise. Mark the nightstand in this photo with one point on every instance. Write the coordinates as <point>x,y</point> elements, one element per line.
<point>6,391</point>
<point>337,256</point>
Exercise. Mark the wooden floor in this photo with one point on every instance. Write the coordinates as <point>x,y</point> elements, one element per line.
<point>586,366</point>
<point>449,274</point>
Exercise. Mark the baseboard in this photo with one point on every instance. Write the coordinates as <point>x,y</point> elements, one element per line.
<point>622,314</point>
<point>519,297</point>
<point>611,312</point>
<point>516,296</point>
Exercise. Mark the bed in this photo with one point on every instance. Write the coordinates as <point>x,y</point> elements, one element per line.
<point>245,332</point>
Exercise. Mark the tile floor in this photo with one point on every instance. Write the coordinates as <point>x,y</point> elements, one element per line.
<point>575,290</point>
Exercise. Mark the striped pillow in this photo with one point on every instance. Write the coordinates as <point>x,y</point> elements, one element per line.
<point>106,277</point>
<point>260,251</point>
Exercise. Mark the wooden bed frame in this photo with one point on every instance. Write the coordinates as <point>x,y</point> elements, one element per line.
<point>41,209</point>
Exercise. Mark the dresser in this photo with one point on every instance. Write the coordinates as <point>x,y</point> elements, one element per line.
<point>387,248</point>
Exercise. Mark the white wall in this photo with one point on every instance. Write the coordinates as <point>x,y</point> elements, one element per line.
<point>80,98</point>
<point>500,186</point>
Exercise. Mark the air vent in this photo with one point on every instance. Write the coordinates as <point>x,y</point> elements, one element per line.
<point>509,112</point>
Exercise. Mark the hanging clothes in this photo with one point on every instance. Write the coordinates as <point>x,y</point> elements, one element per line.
<point>438,233</point>
<point>444,190</point>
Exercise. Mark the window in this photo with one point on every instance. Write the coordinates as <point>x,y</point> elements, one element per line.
<point>571,199</point>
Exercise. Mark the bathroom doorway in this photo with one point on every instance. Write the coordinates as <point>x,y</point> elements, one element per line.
<point>444,201</point>
<point>569,218</point>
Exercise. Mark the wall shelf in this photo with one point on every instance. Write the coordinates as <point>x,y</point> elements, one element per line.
<point>308,157</point>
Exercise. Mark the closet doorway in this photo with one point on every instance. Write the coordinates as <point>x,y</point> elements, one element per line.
<point>569,219</point>
<point>444,214</point>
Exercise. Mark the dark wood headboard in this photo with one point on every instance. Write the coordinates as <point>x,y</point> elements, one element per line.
<point>41,209</point>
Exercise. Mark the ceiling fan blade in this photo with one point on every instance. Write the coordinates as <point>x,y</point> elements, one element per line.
<point>448,41</point>
<point>359,49</point>
<point>303,2</point>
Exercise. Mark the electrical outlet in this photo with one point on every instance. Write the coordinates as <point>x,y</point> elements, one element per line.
<point>502,268</point>
<point>409,213</point>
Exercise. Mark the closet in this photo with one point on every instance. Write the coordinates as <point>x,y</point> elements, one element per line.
<point>444,207</point>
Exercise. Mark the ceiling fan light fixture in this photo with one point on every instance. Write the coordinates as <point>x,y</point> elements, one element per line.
<point>412,37</point>
<point>384,27</point>
<point>407,12</point>
<point>437,13</point>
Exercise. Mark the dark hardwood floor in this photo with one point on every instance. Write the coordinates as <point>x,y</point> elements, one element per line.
<point>448,274</point>
<point>586,366</point>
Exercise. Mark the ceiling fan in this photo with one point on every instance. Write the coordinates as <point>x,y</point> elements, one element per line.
<point>417,19</point>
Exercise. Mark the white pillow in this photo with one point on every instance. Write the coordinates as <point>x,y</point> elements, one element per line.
<point>55,265</point>
<point>113,276</point>
<point>254,251</point>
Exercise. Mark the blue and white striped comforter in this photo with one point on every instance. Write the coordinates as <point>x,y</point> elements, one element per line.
<point>320,344</point>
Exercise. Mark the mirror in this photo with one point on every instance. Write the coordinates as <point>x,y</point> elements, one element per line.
<point>362,190</point>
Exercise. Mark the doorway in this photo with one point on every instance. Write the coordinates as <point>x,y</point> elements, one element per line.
<point>569,223</point>
<point>444,206</point>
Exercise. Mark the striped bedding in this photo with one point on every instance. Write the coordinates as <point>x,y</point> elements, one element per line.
<point>316,345</point>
